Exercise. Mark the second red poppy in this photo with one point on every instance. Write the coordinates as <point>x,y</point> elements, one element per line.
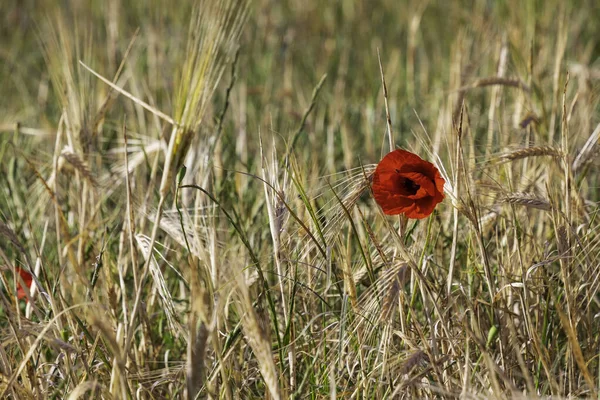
<point>27,278</point>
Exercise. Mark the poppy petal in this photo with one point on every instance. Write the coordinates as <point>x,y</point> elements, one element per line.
<point>27,279</point>
<point>403,183</point>
<point>426,186</point>
<point>392,204</point>
<point>395,209</point>
<point>424,207</point>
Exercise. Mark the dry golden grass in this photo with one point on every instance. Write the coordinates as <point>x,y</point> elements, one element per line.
<point>189,183</point>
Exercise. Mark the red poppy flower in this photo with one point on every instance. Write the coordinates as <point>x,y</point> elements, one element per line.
<point>404,183</point>
<point>27,278</point>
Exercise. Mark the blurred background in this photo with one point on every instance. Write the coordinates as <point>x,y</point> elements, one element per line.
<point>429,50</point>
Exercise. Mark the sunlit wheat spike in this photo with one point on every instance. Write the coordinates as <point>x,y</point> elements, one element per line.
<point>527,200</point>
<point>177,229</point>
<point>534,151</point>
<point>341,181</point>
<point>160,284</point>
<point>214,29</point>
<point>348,190</point>
<point>111,181</point>
<point>80,165</point>
<point>76,91</point>
<point>348,187</point>
<point>213,33</point>
<point>137,159</point>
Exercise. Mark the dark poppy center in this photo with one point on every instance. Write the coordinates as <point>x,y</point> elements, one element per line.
<point>411,187</point>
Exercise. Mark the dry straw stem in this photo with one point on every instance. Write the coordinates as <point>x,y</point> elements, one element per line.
<point>576,349</point>
<point>388,118</point>
<point>587,150</point>
<point>256,337</point>
<point>125,93</point>
<point>496,95</point>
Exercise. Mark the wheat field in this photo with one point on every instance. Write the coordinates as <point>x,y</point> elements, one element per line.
<point>186,207</point>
